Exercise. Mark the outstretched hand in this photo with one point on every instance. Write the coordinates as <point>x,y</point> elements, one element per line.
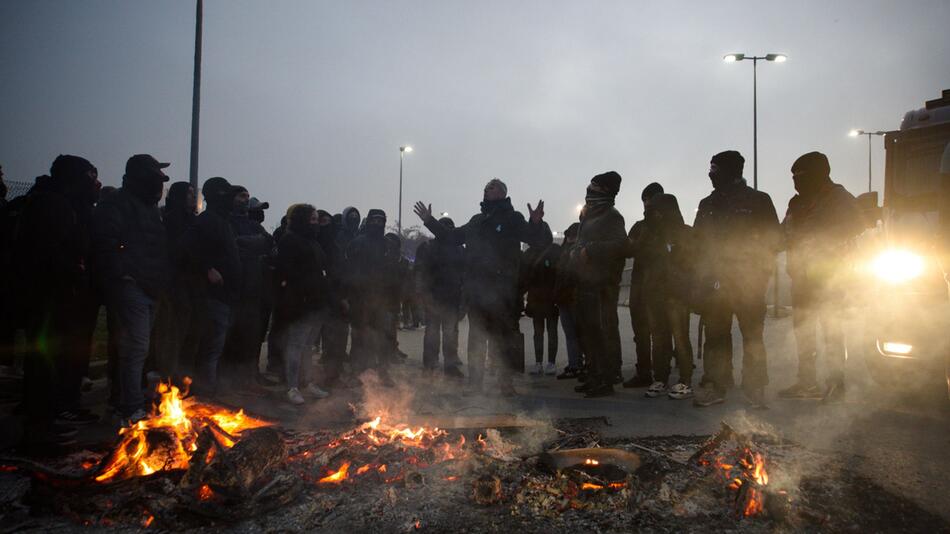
<point>423,211</point>
<point>535,215</point>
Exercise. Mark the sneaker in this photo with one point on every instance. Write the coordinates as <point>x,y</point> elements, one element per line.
<point>294,396</point>
<point>537,370</point>
<point>76,417</point>
<point>603,390</point>
<point>584,387</point>
<point>801,391</point>
<point>550,369</point>
<point>709,396</point>
<point>656,389</point>
<point>639,381</point>
<point>63,431</point>
<point>680,391</point>
<point>755,396</point>
<point>834,394</point>
<point>315,390</point>
<point>568,373</point>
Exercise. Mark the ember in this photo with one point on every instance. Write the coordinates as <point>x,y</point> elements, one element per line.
<point>167,439</point>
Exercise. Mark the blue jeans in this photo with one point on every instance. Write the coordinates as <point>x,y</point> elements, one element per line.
<point>215,317</point>
<point>301,334</point>
<point>574,360</point>
<point>133,314</point>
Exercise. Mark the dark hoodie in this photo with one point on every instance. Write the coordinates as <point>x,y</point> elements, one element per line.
<point>667,251</point>
<point>52,240</point>
<point>301,270</point>
<point>349,229</point>
<point>211,244</point>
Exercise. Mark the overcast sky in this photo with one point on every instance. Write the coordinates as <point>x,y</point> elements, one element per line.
<point>307,101</point>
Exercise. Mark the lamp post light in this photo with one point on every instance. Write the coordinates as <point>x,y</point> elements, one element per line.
<point>777,58</point>
<point>403,150</point>
<point>858,132</point>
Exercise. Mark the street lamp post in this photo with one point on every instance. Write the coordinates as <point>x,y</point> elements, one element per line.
<point>856,133</point>
<point>403,150</point>
<point>777,58</point>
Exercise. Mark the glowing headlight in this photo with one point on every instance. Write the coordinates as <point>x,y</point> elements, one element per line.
<point>896,266</point>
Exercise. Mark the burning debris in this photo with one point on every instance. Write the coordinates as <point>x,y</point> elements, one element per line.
<point>192,465</point>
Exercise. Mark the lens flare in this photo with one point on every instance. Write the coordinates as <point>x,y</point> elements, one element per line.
<point>897,266</point>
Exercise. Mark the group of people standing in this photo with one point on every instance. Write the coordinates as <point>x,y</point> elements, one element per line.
<point>197,294</point>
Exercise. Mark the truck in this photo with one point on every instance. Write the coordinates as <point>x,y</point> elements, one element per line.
<point>906,266</point>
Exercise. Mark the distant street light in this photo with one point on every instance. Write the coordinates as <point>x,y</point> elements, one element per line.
<point>777,58</point>
<point>856,133</point>
<point>579,207</point>
<point>403,150</point>
<point>445,214</point>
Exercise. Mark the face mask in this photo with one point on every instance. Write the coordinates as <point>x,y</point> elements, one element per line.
<point>806,185</point>
<point>719,181</point>
<point>598,198</point>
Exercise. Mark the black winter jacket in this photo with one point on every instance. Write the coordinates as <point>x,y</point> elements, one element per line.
<point>603,235</point>
<point>254,246</point>
<point>301,276</point>
<point>492,242</point>
<point>211,244</point>
<point>131,243</point>
<point>440,267</point>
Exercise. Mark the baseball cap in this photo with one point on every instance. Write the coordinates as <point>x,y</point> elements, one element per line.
<point>143,165</point>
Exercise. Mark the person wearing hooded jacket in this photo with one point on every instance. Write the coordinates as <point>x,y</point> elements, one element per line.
<point>368,289</point>
<point>820,226</point>
<point>52,259</point>
<point>173,321</point>
<point>302,298</point>
<point>440,266</point>
<point>242,347</point>
<point>737,236</point>
<point>598,258</point>
<point>132,261</point>
<point>639,320</point>
<point>539,275</point>
<point>215,264</point>
<point>335,329</point>
<point>493,240</point>
<point>665,248</point>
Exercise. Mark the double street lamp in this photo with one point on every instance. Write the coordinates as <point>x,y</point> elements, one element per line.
<point>403,150</point>
<point>856,133</point>
<point>777,58</point>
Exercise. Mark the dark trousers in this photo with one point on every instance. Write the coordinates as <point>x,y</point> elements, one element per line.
<point>335,331</point>
<point>640,322</point>
<point>372,322</point>
<point>539,325</point>
<point>575,357</point>
<point>669,324</point>
<point>276,343</point>
<point>59,345</point>
<point>493,329</point>
<point>599,330</point>
<point>749,311</point>
<point>132,315</point>
<point>242,348</point>
<point>442,328</point>
<point>214,317</point>
<point>806,316</point>
<point>172,327</point>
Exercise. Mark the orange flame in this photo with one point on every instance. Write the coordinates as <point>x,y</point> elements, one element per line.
<point>337,476</point>
<point>179,418</point>
<point>205,493</point>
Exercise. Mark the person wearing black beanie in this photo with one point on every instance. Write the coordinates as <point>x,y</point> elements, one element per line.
<point>643,339</point>
<point>820,225</point>
<point>737,235</point>
<point>598,258</point>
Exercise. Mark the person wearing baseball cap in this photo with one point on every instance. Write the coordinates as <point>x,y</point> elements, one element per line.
<point>132,259</point>
<point>255,210</point>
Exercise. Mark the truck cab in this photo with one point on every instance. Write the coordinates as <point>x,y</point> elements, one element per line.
<point>907,255</point>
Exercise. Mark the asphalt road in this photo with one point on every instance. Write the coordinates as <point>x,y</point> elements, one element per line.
<point>901,444</point>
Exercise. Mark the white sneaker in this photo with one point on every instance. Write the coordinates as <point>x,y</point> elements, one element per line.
<point>550,369</point>
<point>294,396</point>
<point>656,389</point>
<point>315,390</point>
<point>538,370</point>
<point>680,391</point>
